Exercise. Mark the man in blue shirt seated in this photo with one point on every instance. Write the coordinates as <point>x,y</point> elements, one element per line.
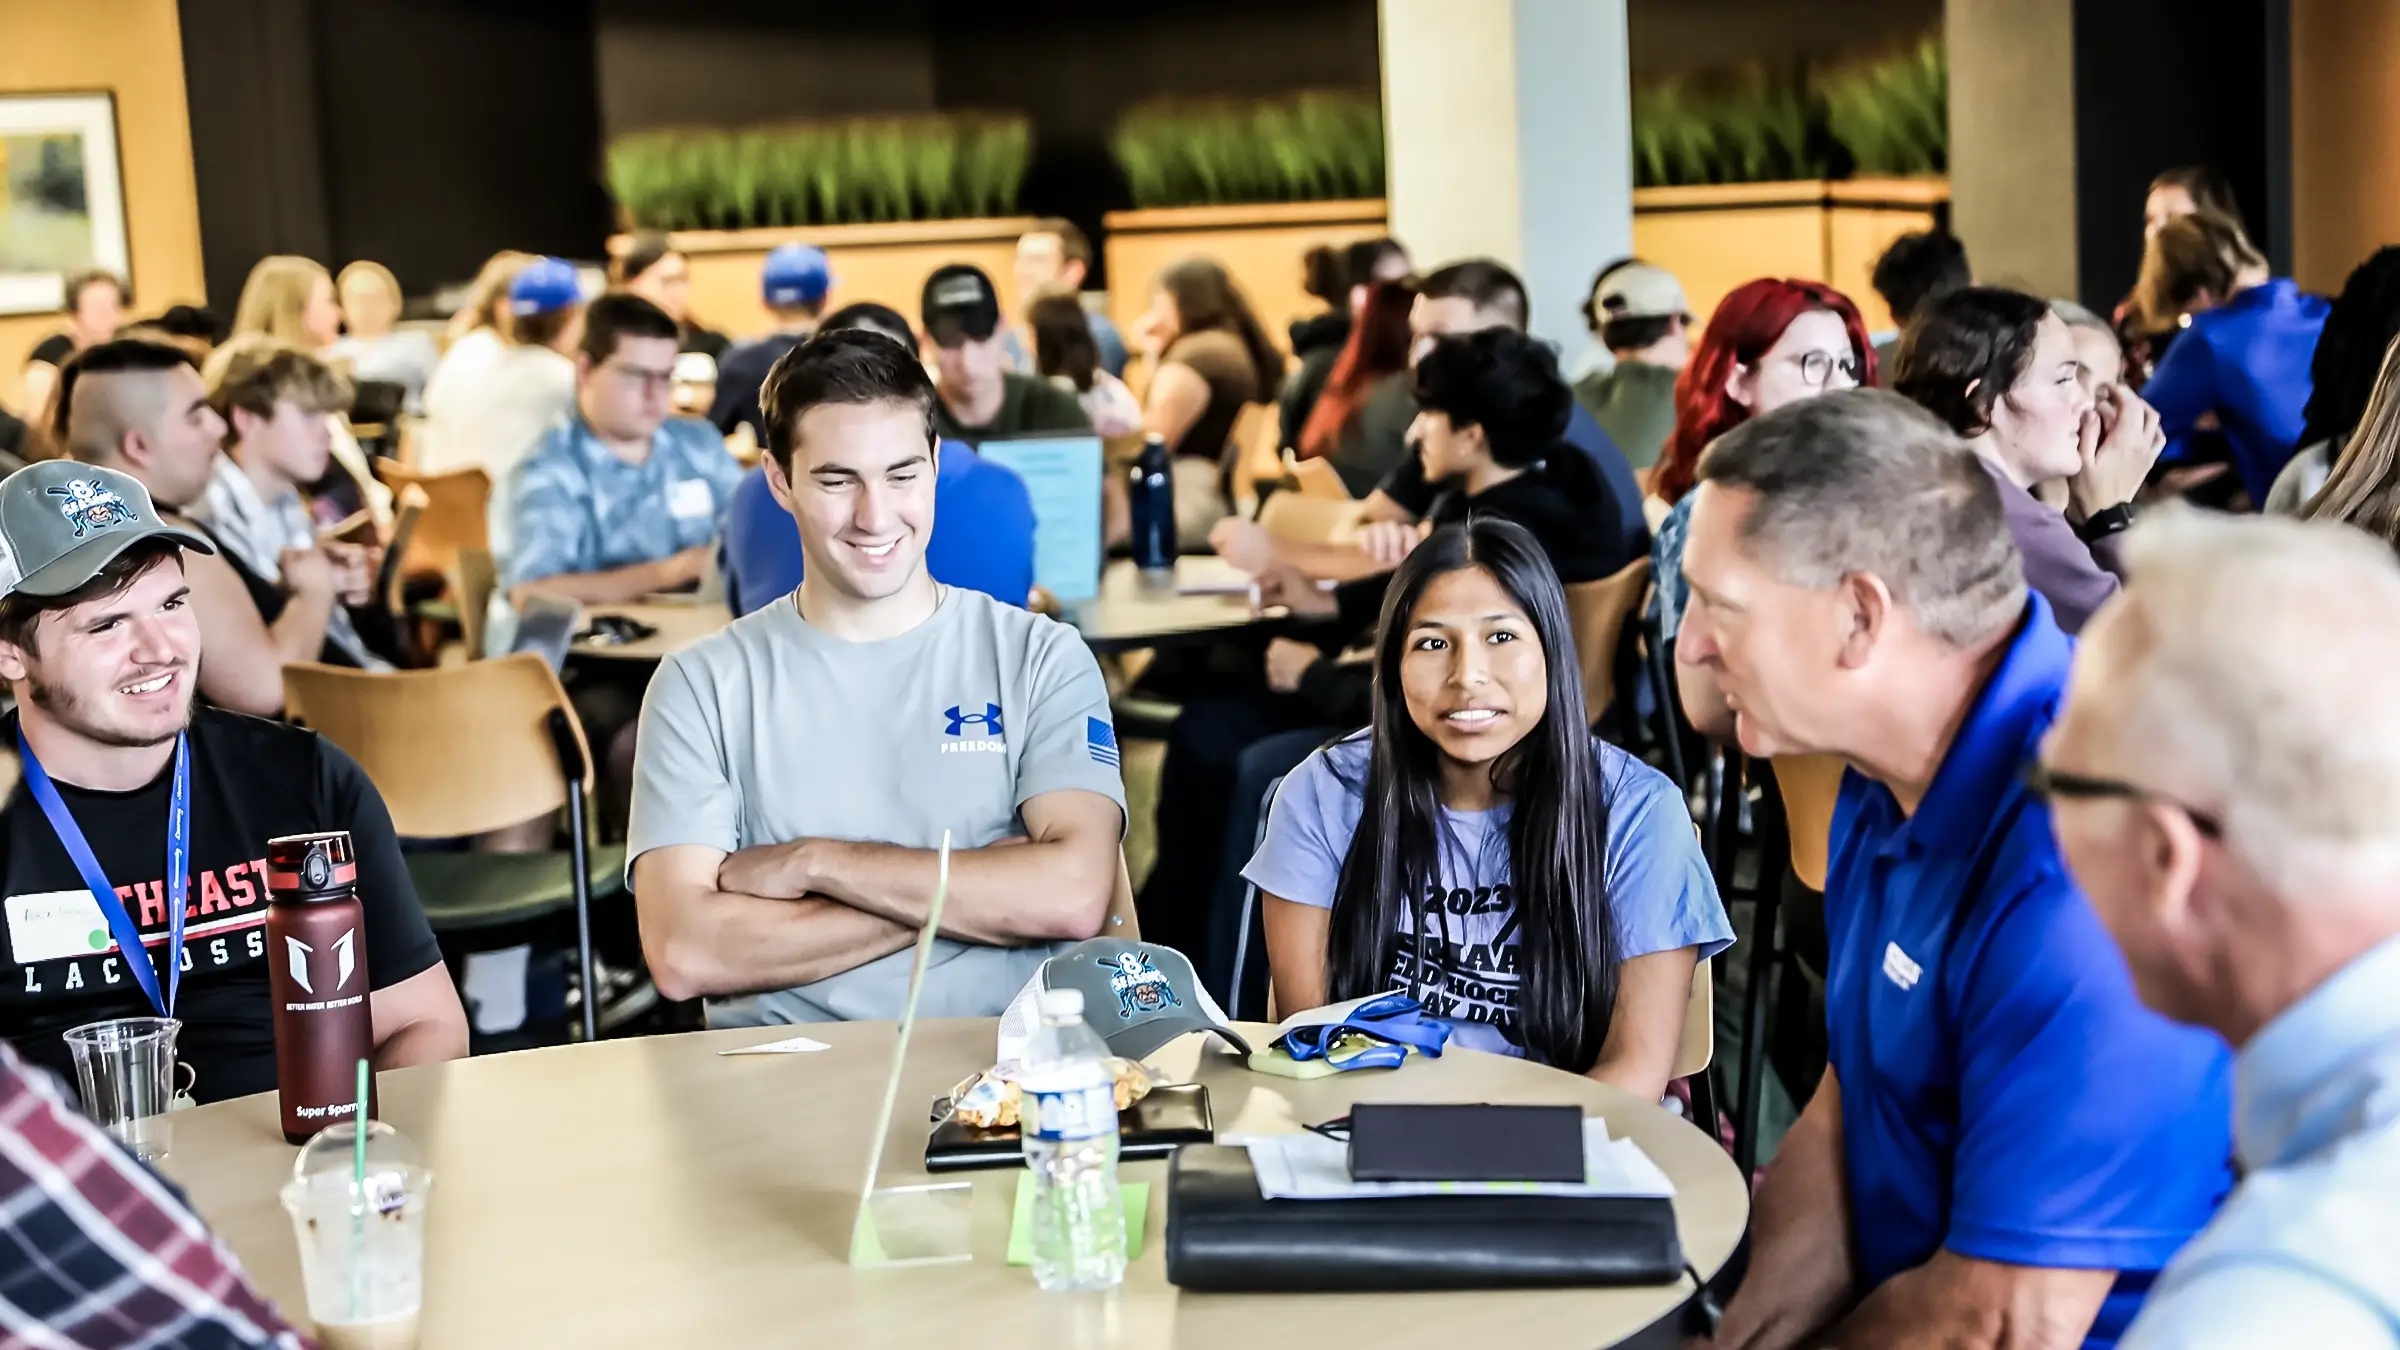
<point>620,500</point>
<point>793,283</point>
<point>2226,784</point>
<point>2007,1146</point>
<point>982,521</point>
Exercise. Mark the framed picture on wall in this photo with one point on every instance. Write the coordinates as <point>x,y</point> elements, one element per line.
<point>62,196</point>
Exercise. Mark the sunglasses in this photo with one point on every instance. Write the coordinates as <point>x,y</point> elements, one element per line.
<point>2050,785</point>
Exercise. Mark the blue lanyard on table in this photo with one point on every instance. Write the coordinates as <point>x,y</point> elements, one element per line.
<point>178,879</point>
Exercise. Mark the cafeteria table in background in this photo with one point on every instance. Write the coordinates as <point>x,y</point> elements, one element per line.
<point>651,1192</point>
<point>1207,598</point>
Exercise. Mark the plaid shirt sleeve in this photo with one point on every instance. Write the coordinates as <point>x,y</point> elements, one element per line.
<point>97,1250</point>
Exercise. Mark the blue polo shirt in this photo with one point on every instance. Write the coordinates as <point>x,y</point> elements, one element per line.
<point>2247,361</point>
<point>2005,1095</point>
<point>982,534</point>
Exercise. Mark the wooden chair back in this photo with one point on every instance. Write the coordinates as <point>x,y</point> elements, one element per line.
<point>1252,448</point>
<point>473,577</point>
<point>457,515</point>
<point>1316,478</point>
<point>1809,784</point>
<point>408,509</point>
<point>456,750</point>
<point>1599,611</point>
<point>1699,1043</point>
<point>1303,518</point>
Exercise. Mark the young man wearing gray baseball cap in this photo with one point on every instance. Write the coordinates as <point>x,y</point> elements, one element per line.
<point>131,864</point>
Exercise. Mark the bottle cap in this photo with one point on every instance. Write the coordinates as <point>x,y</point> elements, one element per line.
<point>307,866</point>
<point>1062,1003</point>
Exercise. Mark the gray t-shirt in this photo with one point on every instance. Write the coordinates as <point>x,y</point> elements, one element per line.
<point>773,731</point>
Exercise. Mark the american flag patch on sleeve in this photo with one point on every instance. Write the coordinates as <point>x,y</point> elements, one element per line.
<point>1102,739</point>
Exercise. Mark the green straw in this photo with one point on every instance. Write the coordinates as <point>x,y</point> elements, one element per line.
<point>358,1179</point>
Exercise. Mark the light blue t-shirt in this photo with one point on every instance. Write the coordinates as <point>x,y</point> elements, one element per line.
<point>1659,888</point>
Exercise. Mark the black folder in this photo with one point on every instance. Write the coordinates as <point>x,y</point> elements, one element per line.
<point>1224,1237</point>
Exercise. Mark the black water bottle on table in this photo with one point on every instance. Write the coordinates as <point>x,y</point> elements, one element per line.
<point>317,967</point>
<point>1151,493</point>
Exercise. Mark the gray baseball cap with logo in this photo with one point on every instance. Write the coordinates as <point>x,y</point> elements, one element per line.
<point>1137,995</point>
<point>61,522</point>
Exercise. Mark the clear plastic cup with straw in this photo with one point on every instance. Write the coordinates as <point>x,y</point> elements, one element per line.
<point>357,1201</point>
<point>125,1072</point>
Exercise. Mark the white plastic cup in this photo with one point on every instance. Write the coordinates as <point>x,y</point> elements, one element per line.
<point>362,1258</point>
<point>125,1071</point>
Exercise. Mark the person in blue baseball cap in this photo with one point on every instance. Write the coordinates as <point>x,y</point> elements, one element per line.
<point>497,391</point>
<point>793,284</point>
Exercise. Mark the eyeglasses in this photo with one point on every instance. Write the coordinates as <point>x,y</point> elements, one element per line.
<point>645,379</point>
<point>2050,784</point>
<point>1817,368</point>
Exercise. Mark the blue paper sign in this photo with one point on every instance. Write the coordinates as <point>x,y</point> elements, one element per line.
<point>1062,476</point>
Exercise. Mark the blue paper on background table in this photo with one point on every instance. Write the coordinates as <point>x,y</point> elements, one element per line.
<point>1062,475</point>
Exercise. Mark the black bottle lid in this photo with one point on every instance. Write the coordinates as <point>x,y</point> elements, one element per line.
<point>311,866</point>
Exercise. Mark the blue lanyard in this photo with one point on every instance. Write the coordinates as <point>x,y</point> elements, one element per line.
<point>178,879</point>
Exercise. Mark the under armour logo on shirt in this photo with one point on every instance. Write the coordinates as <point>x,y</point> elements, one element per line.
<point>988,719</point>
<point>1897,965</point>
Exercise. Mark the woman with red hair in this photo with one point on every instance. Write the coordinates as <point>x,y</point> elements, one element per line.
<point>1334,430</point>
<point>1769,343</point>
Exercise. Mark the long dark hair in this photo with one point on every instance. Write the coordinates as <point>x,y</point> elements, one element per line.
<point>2364,320</point>
<point>1557,831</point>
<point>1206,298</point>
<point>1062,340</point>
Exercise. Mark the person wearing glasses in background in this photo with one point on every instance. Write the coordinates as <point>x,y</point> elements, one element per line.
<point>2007,1147</point>
<point>2002,370</point>
<point>1771,342</point>
<point>2225,782</point>
<point>620,501</point>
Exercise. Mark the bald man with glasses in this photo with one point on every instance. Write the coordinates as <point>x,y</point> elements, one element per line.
<point>2225,784</point>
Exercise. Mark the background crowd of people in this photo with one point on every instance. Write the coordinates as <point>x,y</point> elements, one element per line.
<point>1915,551</point>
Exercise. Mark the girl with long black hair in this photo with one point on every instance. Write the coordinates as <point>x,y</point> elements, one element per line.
<point>1476,847</point>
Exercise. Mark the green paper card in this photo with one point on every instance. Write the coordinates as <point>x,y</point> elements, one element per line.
<point>1134,1196</point>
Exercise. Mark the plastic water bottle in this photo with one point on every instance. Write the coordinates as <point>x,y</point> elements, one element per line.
<point>1150,492</point>
<point>1070,1132</point>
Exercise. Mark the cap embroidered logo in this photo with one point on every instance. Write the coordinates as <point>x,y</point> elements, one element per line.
<point>1140,988</point>
<point>90,505</point>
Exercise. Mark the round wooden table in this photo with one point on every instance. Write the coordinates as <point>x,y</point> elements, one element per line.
<point>679,624</point>
<point>1206,597</point>
<point>650,1192</point>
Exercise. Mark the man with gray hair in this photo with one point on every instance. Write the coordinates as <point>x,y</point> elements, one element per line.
<point>2225,782</point>
<point>2007,1146</point>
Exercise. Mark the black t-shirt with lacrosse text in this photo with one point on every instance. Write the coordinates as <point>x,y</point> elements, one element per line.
<point>252,780</point>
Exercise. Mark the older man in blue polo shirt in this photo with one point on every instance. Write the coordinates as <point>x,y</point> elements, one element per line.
<point>621,499</point>
<point>2226,783</point>
<point>2007,1146</point>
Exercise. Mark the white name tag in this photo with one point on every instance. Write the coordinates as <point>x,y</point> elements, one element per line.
<point>690,499</point>
<point>55,925</point>
<point>1899,968</point>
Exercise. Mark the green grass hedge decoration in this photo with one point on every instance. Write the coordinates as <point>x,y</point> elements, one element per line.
<point>932,167</point>
<point>1315,146</point>
<point>1885,115</point>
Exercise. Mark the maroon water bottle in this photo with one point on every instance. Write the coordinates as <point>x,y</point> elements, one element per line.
<point>317,967</point>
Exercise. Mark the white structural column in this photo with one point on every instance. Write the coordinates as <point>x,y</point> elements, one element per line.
<point>2012,140</point>
<point>1507,135</point>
